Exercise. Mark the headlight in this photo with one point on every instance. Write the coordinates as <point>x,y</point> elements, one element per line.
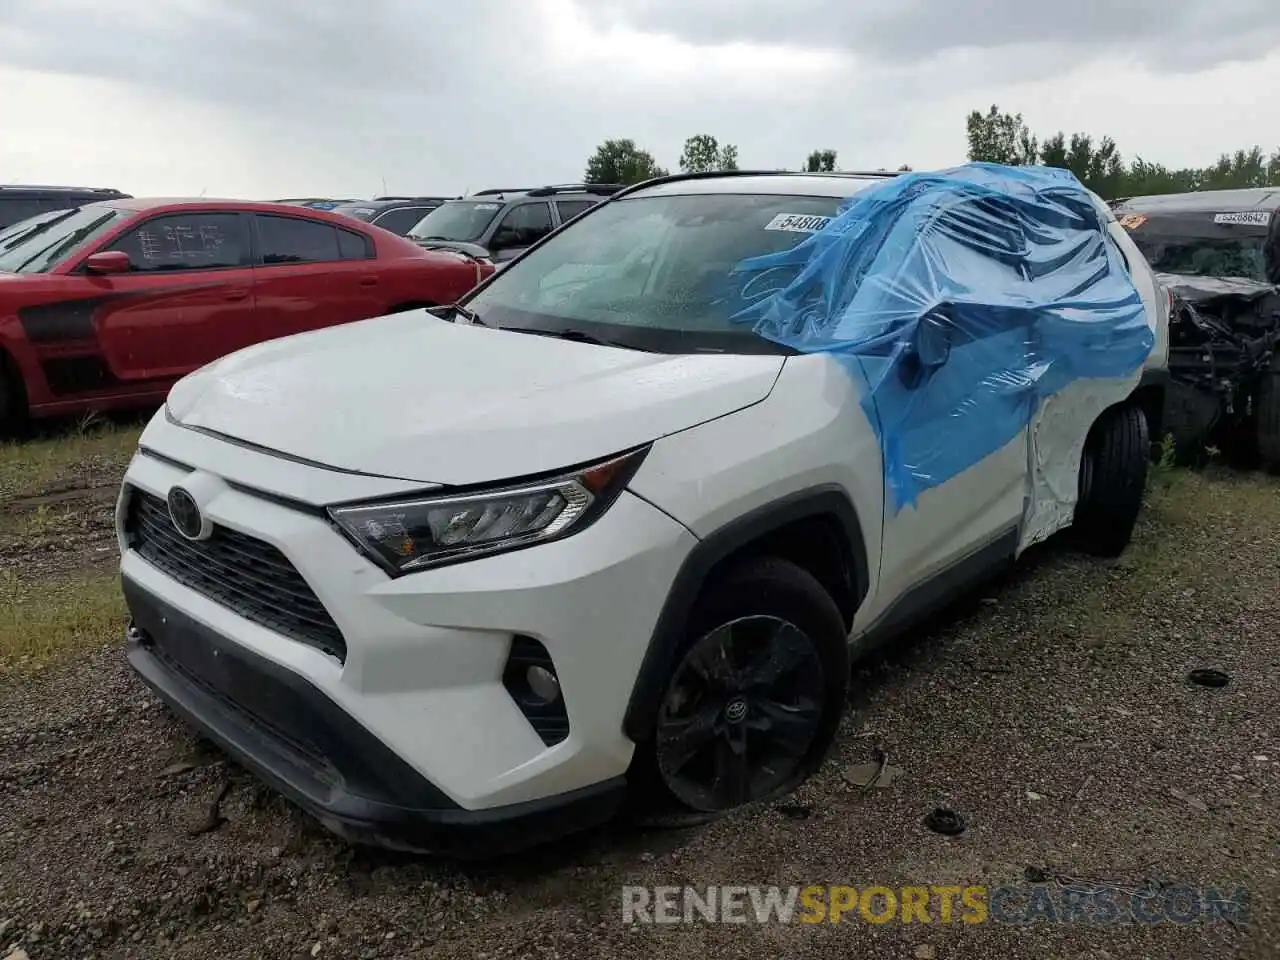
<point>409,535</point>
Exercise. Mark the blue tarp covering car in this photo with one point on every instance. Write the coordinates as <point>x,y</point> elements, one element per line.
<point>963,298</point>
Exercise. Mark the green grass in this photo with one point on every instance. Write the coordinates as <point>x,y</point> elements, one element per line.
<point>44,621</point>
<point>49,616</point>
<point>26,468</point>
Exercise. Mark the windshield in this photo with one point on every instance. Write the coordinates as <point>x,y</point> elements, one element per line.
<point>357,211</point>
<point>24,228</point>
<point>463,221</point>
<point>1196,246</point>
<point>651,272</point>
<point>49,245</point>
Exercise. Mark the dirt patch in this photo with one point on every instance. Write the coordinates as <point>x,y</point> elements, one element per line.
<point>1053,713</point>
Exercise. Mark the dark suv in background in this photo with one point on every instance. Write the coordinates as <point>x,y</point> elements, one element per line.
<point>500,224</point>
<point>20,202</point>
<point>397,214</point>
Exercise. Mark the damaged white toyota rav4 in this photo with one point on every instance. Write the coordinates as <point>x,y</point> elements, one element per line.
<point>615,525</point>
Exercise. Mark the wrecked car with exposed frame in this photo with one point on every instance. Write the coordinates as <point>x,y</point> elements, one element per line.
<point>1217,253</point>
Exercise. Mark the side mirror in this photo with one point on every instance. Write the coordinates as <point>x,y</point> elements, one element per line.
<point>505,237</point>
<point>108,262</point>
<point>932,341</point>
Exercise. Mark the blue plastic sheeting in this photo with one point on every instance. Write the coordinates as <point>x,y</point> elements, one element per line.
<point>963,298</point>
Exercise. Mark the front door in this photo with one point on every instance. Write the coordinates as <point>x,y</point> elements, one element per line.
<point>523,226</point>
<point>187,299</point>
<point>956,466</point>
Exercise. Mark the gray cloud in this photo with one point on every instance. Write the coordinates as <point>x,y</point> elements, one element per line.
<point>439,95</point>
<point>1179,35</point>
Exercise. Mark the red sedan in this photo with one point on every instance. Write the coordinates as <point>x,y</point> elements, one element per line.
<point>106,305</point>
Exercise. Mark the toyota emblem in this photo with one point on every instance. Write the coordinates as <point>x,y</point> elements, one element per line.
<point>184,512</point>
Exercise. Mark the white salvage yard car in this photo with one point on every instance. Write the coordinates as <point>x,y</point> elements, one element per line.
<point>616,524</point>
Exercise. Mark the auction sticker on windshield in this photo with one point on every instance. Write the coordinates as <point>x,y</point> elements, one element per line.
<point>798,223</point>
<point>1251,218</point>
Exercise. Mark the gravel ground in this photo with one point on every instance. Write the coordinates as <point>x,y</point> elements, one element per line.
<point>1053,713</point>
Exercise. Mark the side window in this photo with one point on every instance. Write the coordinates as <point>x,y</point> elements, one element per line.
<point>568,209</point>
<point>186,241</point>
<point>528,223</point>
<point>354,246</point>
<point>294,240</point>
<point>401,219</point>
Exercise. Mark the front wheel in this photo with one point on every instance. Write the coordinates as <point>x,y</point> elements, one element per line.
<point>1113,476</point>
<point>12,400</point>
<point>755,698</point>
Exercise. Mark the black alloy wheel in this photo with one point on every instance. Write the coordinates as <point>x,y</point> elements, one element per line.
<point>742,713</point>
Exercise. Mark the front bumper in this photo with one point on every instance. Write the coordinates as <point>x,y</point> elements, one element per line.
<point>288,733</point>
<point>415,723</point>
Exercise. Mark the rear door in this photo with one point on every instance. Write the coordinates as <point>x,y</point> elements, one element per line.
<point>568,209</point>
<point>187,299</point>
<point>312,274</point>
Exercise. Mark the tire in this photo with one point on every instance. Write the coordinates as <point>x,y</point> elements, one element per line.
<point>13,407</point>
<point>773,619</point>
<point>1268,414</point>
<point>1113,476</point>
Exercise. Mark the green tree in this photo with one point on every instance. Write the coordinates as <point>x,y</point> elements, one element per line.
<point>1099,165</point>
<point>999,137</point>
<point>1053,152</point>
<point>820,161</point>
<point>621,161</point>
<point>703,154</point>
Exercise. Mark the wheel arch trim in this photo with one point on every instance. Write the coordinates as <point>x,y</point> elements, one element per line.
<point>732,538</point>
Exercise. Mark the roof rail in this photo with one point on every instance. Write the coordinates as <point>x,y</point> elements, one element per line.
<point>380,199</point>
<point>595,189</point>
<point>498,190</point>
<point>711,174</point>
<point>57,189</point>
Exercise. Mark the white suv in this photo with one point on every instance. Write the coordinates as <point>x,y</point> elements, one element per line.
<point>615,525</point>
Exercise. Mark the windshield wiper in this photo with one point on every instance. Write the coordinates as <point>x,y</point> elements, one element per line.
<point>578,336</point>
<point>11,242</point>
<point>457,311</point>
<point>71,241</point>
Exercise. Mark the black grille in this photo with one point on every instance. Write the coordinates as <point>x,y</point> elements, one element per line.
<point>244,574</point>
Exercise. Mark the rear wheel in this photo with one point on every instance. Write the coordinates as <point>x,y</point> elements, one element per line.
<point>1268,414</point>
<point>1113,476</point>
<point>754,700</point>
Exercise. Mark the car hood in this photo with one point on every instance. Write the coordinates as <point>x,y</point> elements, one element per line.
<point>470,249</point>
<point>417,398</point>
<point>1203,290</point>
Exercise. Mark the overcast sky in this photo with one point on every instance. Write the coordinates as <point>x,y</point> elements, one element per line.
<point>273,98</point>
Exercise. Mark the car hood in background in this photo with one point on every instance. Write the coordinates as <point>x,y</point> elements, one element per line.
<point>470,249</point>
<point>418,398</point>
<point>1203,290</point>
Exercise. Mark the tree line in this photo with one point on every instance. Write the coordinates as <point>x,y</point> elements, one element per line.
<point>1002,137</point>
<point>621,161</point>
<point>996,136</point>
